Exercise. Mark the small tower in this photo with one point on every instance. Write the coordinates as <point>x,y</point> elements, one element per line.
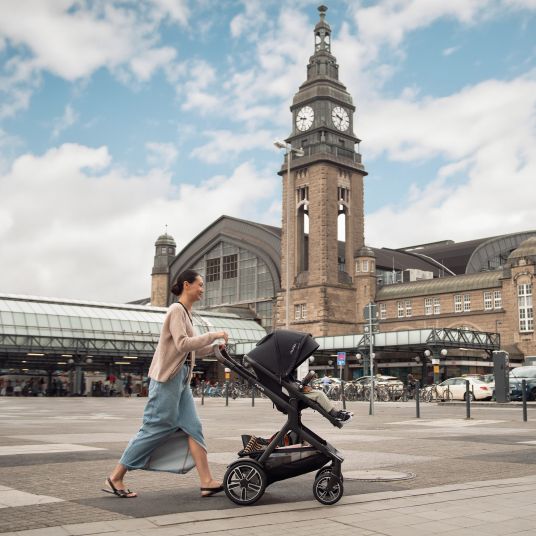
<point>365,278</point>
<point>165,248</point>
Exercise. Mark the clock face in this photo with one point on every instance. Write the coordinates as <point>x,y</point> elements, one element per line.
<point>305,118</point>
<point>340,118</point>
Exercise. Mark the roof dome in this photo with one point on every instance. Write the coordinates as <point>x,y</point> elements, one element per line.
<point>527,248</point>
<point>365,252</point>
<point>165,240</point>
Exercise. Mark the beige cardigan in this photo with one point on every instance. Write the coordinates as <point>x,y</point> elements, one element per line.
<point>177,339</point>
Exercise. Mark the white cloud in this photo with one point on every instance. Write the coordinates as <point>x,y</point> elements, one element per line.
<point>487,133</point>
<point>161,155</point>
<point>144,65</point>
<point>176,10</point>
<point>68,119</point>
<point>195,92</point>
<point>224,144</point>
<point>74,39</point>
<point>98,241</point>
<point>451,50</point>
<point>388,21</point>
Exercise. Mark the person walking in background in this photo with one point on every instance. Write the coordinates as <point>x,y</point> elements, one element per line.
<point>171,406</point>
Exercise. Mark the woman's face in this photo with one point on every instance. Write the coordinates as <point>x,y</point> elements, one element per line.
<point>196,289</point>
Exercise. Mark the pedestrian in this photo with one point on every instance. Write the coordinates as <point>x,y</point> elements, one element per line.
<point>128,386</point>
<point>412,384</point>
<point>171,407</point>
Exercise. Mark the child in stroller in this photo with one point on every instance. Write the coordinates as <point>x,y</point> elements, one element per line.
<point>270,367</point>
<point>321,398</point>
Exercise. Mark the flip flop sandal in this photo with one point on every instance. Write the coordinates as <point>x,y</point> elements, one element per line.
<point>121,493</point>
<point>208,492</point>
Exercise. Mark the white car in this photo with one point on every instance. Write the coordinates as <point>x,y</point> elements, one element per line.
<point>478,390</point>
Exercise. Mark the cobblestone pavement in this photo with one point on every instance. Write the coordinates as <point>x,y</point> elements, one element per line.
<point>56,453</point>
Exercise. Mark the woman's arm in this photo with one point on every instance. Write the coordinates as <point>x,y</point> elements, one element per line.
<point>183,342</point>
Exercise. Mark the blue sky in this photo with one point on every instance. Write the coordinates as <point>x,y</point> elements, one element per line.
<point>117,118</point>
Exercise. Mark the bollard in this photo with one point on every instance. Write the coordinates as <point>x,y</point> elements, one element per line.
<point>226,392</point>
<point>252,396</point>
<point>404,394</point>
<point>203,395</point>
<point>417,401</point>
<point>467,400</point>
<point>342,395</point>
<point>524,398</point>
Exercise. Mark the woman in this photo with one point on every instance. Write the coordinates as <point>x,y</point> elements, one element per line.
<point>171,405</point>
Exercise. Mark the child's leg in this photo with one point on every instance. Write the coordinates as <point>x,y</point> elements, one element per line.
<point>321,399</point>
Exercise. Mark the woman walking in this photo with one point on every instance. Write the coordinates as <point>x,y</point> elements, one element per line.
<point>171,406</point>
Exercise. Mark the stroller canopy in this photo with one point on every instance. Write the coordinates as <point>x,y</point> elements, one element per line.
<point>282,351</point>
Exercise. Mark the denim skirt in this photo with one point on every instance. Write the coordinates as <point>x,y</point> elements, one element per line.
<point>168,419</point>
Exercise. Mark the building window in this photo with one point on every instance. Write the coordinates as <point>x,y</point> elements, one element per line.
<point>466,303</point>
<point>488,303</point>
<point>164,251</point>
<point>408,308</point>
<point>230,266</point>
<point>437,306</point>
<point>343,194</point>
<point>428,306</point>
<point>383,311</point>
<point>458,307</point>
<point>357,267</point>
<point>365,266</point>
<point>524,301</point>
<point>400,309</point>
<point>300,311</point>
<point>302,193</point>
<point>213,270</point>
<point>497,299</point>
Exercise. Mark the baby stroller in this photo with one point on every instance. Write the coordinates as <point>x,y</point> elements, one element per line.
<point>270,367</point>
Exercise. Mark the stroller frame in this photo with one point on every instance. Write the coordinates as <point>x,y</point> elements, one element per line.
<point>293,407</point>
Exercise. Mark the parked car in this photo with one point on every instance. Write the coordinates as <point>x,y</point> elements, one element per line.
<point>516,376</point>
<point>479,390</point>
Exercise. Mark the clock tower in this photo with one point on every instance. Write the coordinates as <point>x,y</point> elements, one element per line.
<point>322,202</point>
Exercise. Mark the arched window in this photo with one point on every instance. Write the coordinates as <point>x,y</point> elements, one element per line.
<point>236,276</point>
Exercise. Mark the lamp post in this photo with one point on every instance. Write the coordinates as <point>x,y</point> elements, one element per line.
<point>427,354</point>
<point>289,150</point>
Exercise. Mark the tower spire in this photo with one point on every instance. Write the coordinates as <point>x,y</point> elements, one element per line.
<point>322,32</point>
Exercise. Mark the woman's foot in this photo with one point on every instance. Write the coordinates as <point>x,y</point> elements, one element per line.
<point>116,487</point>
<point>210,488</point>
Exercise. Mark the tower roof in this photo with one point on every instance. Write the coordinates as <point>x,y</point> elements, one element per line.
<point>165,240</point>
<point>527,248</point>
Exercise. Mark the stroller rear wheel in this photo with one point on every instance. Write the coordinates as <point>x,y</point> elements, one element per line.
<point>244,482</point>
<point>322,491</point>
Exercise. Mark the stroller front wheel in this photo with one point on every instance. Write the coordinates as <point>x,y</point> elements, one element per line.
<point>323,492</point>
<point>244,482</point>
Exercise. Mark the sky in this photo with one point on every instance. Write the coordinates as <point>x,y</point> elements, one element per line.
<point>118,118</point>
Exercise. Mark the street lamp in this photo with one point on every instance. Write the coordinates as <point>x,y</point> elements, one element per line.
<point>288,153</point>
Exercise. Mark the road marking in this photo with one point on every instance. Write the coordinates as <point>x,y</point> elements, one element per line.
<point>447,423</point>
<point>10,498</point>
<point>13,450</point>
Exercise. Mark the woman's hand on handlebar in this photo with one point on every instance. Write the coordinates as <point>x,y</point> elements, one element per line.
<point>223,335</point>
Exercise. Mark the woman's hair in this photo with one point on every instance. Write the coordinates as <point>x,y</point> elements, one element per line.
<point>187,276</point>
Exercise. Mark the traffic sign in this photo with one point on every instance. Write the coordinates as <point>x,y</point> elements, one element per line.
<point>341,359</point>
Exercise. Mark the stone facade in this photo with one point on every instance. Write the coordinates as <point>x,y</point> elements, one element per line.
<point>487,302</point>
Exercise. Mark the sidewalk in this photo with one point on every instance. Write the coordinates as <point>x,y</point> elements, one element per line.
<point>402,475</point>
<point>494,507</point>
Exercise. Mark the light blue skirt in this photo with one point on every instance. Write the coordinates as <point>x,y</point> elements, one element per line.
<point>169,418</point>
